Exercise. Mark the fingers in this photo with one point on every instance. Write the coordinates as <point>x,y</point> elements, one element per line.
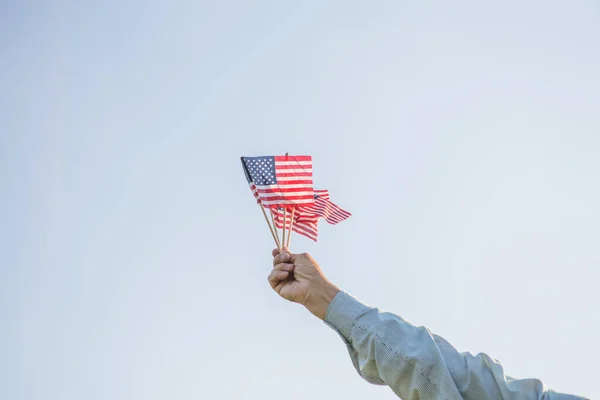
<point>276,276</point>
<point>281,258</point>
<point>284,267</point>
<point>277,251</point>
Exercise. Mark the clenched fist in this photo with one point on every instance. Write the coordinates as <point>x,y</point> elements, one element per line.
<point>298,278</point>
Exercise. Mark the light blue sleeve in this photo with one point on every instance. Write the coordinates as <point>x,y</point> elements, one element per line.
<point>415,364</point>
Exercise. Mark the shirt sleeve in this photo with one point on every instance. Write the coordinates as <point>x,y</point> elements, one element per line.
<point>415,364</point>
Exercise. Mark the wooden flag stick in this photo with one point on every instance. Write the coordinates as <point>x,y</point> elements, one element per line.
<point>290,231</point>
<point>275,228</point>
<point>284,224</point>
<point>270,228</point>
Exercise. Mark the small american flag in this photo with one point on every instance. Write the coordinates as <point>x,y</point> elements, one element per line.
<point>301,226</point>
<point>280,180</point>
<point>306,218</point>
<point>324,208</point>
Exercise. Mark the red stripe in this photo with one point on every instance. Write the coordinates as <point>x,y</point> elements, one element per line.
<point>306,232</point>
<point>288,194</point>
<point>341,213</point>
<point>292,158</point>
<point>287,183</point>
<point>322,211</point>
<point>299,179</point>
<point>279,221</point>
<point>284,190</point>
<point>332,213</point>
<point>284,203</point>
<point>305,199</point>
<point>309,230</point>
<point>283,168</point>
<point>333,207</point>
<point>333,220</point>
<point>253,189</point>
<point>279,214</point>
<point>328,210</point>
<point>300,175</point>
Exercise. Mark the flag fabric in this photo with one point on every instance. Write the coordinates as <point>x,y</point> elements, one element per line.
<point>280,180</point>
<point>300,226</point>
<point>324,208</point>
<point>306,218</point>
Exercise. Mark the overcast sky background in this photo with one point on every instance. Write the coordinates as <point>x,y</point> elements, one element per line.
<point>463,136</point>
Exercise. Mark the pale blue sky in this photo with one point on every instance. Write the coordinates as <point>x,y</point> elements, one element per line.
<point>463,136</point>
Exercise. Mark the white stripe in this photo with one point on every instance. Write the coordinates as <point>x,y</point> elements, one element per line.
<point>330,207</point>
<point>295,178</point>
<point>302,228</point>
<point>286,186</point>
<point>294,162</point>
<point>277,202</point>
<point>332,216</point>
<point>293,170</point>
<point>324,196</point>
<point>310,233</point>
<point>295,181</point>
<point>283,194</point>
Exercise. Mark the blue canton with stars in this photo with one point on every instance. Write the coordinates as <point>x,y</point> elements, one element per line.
<point>260,170</point>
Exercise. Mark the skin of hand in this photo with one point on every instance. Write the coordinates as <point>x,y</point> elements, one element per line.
<point>298,278</point>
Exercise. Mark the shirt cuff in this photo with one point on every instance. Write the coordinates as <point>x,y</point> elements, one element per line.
<point>343,311</point>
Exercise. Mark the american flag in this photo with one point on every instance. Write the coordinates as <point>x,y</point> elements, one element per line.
<point>302,227</point>
<point>324,208</point>
<point>280,180</point>
<point>307,217</point>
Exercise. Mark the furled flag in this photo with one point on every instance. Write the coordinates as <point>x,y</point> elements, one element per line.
<point>300,226</point>
<point>280,180</point>
<point>324,208</point>
<point>307,217</point>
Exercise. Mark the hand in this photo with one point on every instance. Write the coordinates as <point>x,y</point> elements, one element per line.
<point>298,278</point>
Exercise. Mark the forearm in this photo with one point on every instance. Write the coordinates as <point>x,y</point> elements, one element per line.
<point>387,350</point>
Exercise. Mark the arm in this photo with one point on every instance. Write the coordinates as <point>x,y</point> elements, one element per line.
<point>387,350</point>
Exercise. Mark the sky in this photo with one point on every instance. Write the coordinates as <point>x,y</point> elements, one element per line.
<point>463,137</point>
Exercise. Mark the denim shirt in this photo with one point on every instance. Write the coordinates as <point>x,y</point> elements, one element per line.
<point>416,364</point>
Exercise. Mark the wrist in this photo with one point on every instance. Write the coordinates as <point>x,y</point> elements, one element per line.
<point>318,302</point>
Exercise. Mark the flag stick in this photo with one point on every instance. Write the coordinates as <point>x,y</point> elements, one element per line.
<point>290,231</point>
<point>270,228</point>
<point>284,224</point>
<point>275,228</point>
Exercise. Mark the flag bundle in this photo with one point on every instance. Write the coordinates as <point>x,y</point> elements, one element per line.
<point>283,185</point>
